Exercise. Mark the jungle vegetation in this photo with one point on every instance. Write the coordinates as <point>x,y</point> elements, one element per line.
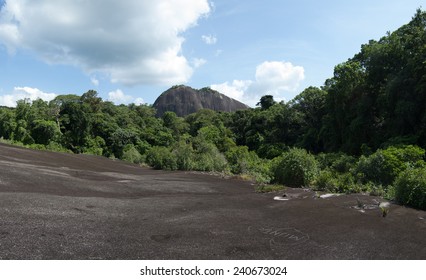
<point>363,131</point>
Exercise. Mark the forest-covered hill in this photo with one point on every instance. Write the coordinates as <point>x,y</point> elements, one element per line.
<point>363,131</point>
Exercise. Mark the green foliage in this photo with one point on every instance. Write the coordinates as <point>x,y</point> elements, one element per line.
<point>177,125</point>
<point>311,104</point>
<point>267,131</point>
<point>337,162</point>
<point>373,102</point>
<point>270,151</point>
<point>344,163</point>
<point>326,181</point>
<point>202,118</point>
<point>21,133</point>
<point>384,166</point>
<point>94,146</point>
<point>269,188</point>
<point>410,188</point>
<point>131,154</point>
<point>7,123</point>
<point>266,102</point>
<point>207,157</point>
<point>295,168</point>
<point>210,134</point>
<point>377,96</point>
<point>346,184</point>
<point>43,132</point>
<point>161,158</point>
<point>329,181</point>
<point>75,124</point>
<point>56,147</point>
<point>243,161</point>
<point>184,154</point>
<point>120,138</point>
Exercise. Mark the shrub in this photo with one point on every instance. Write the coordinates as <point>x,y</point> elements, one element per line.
<point>384,166</point>
<point>94,146</point>
<point>344,163</point>
<point>131,154</point>
<point>326,181</point>
<point>325,160</point>
<point>410,188</point>
<point>269,188</point>
<point>243,161</point>
<point>208,158</point>
<point>39,147</point>
<point>161,158</point>
<point>378,190</point>
<point>43,132</point>
<point>295,168</point>
<point>346,184</point>
<point>56,147</point>
<point>329,181</point>
<point>184,154</point>
<point>271,151</point>
<point>339,162</point>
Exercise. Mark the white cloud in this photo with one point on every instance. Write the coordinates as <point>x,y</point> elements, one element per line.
<point>118,97</point>
<point>198,62</point>
<point>20,93</point>
<point>94,81</point>
<point>209,39</point>
<point>275,78</point>
<point>132,42</point>
<point>234,90</point>
<point>139,101</point>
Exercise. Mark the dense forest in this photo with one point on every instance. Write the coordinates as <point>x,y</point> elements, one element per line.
<point>363,131</point>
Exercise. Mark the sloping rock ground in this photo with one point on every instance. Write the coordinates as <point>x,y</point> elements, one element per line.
<point>65,206</point>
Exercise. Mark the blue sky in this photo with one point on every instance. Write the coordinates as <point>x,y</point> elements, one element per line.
<point>131,51</point>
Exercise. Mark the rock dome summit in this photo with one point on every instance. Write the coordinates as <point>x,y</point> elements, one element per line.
<point>184,100</point>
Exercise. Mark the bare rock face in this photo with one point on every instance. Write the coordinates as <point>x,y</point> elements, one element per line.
<point>184,100</point>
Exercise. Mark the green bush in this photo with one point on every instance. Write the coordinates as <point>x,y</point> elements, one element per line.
<point>271,151</point>
<point>384,166</point>
<point>326,181</point>
<point>94,146</point>
<point>240,160</point>
<point>262,188</point>
<point>161,158</point>
<point>344,163</point>
<point>39,147</point>
<point>208,158</point>
<point>295,168</point>
<point>329,181</point>
<point>410,188</point>
<point>346,184</point>
<point>56,147</point>
<point>43,132</point>
<point>326,160</point>
<point>184,154</point>
<point>338,162</point>
<point>131,154</point>
<point>243,161</point>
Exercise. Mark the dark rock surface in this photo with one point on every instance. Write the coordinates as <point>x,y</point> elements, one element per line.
<point>66,206</point>
<point>184,100</point>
